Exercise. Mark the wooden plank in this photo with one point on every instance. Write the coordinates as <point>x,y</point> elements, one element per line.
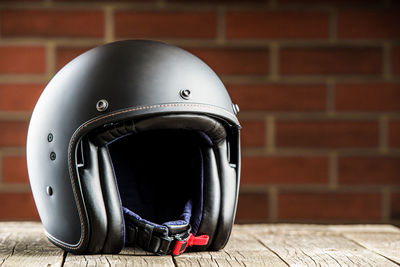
<point>25,244</point>
<point>127,257</point>
<point>305,249</point>
<point>116,260</point>
<point>364,228</point>
<point>385,244</point>
<point>242,250</point>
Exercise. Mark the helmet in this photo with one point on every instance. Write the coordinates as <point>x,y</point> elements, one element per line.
<point>135,143</point>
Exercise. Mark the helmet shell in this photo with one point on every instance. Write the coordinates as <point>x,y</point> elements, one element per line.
<point>136,78</point>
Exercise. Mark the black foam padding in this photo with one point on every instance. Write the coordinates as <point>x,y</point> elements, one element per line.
<point>93,196</point>
<point>211,198</point>
<point>114,241</point>
<point>228,182</point>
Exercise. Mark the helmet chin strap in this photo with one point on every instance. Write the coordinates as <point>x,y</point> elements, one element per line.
<point>160,239</point>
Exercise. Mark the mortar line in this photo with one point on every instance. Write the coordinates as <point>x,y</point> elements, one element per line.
<point>386,204</point>
<point>13,151</point>
<point>317,188</point>
<point>14,188</point>
<point>260,43</point>
<point>274,61</point>
<point>221,25</point>
<point>272,4</point>
<point>332,24</point>
<point>1,166</point>
<point>108,24</point>
<point>48,3</point>
<point>333,169</point>
<point>383,134</point>
<point>270,134</point>
<point>386,61</point>
<point>387,3</point>
<point>330,96</point>
<point>273,204</point>
<point>317,152</point>
<point>50,60</point>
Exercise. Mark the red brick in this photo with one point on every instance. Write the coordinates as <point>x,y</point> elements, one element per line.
<point>369,170</point>
<point>52,23</point>
<point>13,1</point>
<point>253,133</point>
<point>329,206</point>
<point>14,169</point>
<point>65,54</point>
<point>252,207</point>
<point>13,133</point>
<point>17,206</point>
<point>111,1</point>
<point>235,60</point>
<point>395,206</point>
<point>285,170</point>
<point>394,133</point>
<point>368,24</point>
<point>19,97</point>
<point>330,2</point>
<point>279,97</point>
<point>22,59</point>
<point>396,60</point>
<point>327,134</point>
<point>165,24</point>
<point>216,1</point>
<point>276,24</point>
<point>368,97</point>
<point>330,60</point>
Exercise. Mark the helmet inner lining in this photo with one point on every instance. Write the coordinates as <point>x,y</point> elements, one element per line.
<point>160,175</point>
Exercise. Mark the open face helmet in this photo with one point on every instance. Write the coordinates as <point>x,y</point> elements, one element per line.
<point>135,143</point>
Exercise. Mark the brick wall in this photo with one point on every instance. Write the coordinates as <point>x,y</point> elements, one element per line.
<point>318,83</point>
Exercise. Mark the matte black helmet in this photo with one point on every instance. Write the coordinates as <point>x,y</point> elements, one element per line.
<point>135,143</point>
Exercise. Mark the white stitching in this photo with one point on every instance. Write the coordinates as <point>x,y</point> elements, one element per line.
<point>104,117</point>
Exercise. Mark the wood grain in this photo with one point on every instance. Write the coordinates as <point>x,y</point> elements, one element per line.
<point>321,250</point>
<point>385,244</point>
<point>24,244</point>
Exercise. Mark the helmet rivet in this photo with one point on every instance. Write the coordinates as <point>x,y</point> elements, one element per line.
<point>53,155</point>
<point>185,93</point>
<point>236,108</point>
<point>102,105</point>
<point>50,137</point>
<point>49,190</point>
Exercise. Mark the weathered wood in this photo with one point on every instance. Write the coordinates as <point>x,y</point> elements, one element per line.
<point>24,244</point>
<point>117,260</point>
<point>321,250</point>
<point>241,250</point>
<point>385,244</point>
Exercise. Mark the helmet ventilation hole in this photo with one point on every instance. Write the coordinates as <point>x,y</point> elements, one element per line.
<point>49,190</point>
<point>102,105</point>
<point>50,137</point>
<point>185,94</point>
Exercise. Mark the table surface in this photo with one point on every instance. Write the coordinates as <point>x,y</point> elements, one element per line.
<point>24,244</point>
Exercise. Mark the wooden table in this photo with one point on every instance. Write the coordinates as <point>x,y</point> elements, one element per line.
<point>24,244</point>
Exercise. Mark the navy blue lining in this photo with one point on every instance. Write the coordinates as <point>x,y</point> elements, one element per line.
<point>160,176</point>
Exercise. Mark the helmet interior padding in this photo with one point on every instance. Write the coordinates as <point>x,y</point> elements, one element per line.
<point>144,170</point>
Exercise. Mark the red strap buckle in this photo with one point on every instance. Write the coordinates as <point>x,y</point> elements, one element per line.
<point>191,240</point>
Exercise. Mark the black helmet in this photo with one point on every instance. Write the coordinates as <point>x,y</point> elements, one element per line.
<point>135,143</point>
